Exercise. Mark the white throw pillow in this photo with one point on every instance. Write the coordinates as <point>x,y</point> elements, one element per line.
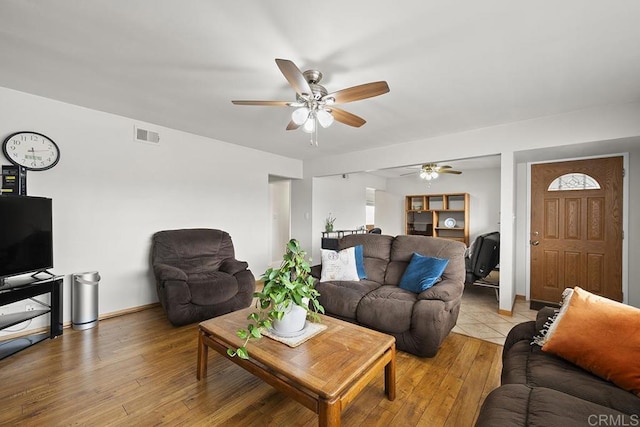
<point>339,265</point>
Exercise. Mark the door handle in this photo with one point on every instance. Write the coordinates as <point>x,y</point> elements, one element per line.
<point>534,242</point>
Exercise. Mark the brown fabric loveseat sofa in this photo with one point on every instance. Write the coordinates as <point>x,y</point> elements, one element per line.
<point>541,389</point>
<point>419,322</point>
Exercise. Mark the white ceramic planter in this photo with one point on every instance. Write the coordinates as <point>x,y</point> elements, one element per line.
<point>293,321</point>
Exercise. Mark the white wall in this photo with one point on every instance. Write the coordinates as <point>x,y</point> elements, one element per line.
<point>522,236</point>
<point>483,186</point>
<point>345,198</point>
<point>507,231</point>
<point>387,212</point>
<point>110,194</point>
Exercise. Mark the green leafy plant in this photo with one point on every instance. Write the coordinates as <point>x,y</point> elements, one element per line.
<point>328,223</point>
<point>290,284</point>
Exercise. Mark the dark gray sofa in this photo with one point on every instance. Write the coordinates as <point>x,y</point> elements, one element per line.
<point>541,389</point>
<point>419,322</point>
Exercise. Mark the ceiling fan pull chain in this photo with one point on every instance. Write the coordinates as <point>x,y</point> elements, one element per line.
<point>314,135</point>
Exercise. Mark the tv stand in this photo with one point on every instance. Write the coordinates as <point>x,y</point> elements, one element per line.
<point>18,289</point>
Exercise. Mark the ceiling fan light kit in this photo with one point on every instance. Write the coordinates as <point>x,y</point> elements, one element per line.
<point>324,118</point>
<point>428,175</point>
<point>314,105</point>
<point>300,115</point>
<point>310,125</point>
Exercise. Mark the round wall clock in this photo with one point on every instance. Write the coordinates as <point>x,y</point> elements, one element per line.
<point>450,223</point>
<point>31,150</point>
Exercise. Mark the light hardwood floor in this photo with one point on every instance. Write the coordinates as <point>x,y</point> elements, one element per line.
<point>137,369</point>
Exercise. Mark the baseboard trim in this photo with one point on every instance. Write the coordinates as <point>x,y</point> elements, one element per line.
<point>118,313</point>
<point>510,312</point>
<point>128,311</point>
<point>537,305</point>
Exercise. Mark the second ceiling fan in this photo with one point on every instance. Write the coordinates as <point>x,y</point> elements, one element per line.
<point>431,171</point>
<point>314,104</point>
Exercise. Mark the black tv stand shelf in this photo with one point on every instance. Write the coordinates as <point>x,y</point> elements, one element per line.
<point>19,289</point>
<point>9,320</point>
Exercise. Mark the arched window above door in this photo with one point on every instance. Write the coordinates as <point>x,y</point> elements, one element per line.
<point>574,181</point>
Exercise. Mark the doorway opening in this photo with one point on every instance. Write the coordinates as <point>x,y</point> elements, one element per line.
<point>280,211</point>
<point>370,208</point>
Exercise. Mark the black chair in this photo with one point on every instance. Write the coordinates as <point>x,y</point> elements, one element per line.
<point>375,231</point>
<point>483,257</point>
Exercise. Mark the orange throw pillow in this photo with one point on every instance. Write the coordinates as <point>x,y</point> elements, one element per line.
<point>601,336</point>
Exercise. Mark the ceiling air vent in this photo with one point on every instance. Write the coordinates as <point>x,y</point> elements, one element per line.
<point>145,135</point>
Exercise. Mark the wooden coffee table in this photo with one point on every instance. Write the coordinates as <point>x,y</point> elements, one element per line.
<point>324,373</point>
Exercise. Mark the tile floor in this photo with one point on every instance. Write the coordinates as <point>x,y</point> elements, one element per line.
<point>479,316</point>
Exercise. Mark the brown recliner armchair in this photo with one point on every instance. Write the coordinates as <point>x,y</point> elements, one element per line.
<point>197,275</point>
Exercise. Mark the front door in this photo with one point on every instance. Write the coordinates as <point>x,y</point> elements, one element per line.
<point>576,228</point>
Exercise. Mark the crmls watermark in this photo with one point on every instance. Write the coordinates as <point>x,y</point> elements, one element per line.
<point>601,420</point>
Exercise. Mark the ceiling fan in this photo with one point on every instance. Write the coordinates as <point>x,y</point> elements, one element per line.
<point>431,171</point>
<point>314,104</point>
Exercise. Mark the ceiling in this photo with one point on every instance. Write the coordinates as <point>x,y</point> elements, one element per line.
<point>451,65</point>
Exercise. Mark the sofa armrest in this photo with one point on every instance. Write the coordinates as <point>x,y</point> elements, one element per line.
<point>166,272</point>
<point>521,332</point>
<point>176,300</point>
<point>525,331</point>
<point>316,271</point>
<point>446,290</point>
<point>233,266</point>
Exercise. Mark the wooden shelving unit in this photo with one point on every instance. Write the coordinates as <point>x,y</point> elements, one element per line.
<point>438,215</point>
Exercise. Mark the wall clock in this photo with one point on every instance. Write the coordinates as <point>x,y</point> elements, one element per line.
<point>31,150</point>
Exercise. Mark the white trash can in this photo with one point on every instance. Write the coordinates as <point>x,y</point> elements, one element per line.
<point>84,300</point>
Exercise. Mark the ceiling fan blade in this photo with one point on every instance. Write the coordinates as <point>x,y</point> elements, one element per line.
<point>265,103</point>
<point>356,93</point>
<point>347,118</point>
<point>292,125</point>
<point>450,171</point>
<point>294,76</point>
<point>443,167</point>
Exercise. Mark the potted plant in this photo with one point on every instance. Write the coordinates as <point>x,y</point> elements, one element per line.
<point>285,289</point>
<point>328,223</point>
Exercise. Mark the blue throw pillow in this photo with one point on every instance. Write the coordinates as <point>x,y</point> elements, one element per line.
<point>360,262</point>
<point>422,273</point>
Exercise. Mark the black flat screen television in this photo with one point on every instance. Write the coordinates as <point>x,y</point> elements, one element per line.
<point>26,237</point>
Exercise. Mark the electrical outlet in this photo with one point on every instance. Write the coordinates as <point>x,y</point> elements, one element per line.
<point>30,307</point>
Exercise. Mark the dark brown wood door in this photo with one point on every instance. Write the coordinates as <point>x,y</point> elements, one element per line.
<point>576,228</point>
